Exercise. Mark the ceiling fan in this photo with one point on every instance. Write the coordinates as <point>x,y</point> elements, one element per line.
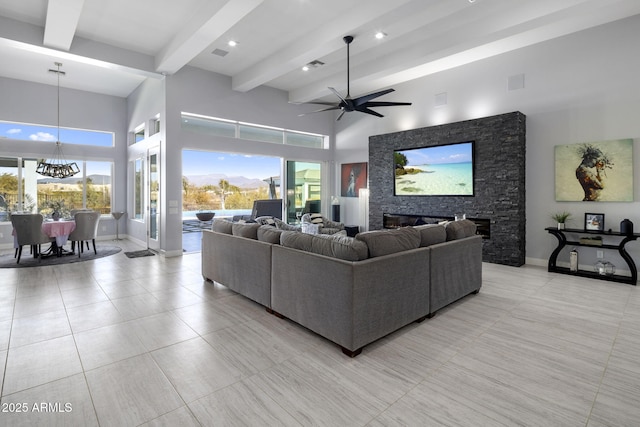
<point>361,103</point>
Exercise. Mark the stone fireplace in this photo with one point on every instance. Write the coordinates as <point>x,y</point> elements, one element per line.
<point>498,202</point>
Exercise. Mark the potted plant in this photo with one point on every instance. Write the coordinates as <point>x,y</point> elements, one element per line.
<point>561,218</point>
<point>57,209</point>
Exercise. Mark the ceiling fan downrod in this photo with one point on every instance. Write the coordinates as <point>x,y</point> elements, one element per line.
<point>348,40</point>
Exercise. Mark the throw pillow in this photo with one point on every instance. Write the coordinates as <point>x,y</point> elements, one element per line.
<point>385,242</point>
<point>327,223</point>
<point>221,226</point>
<point>280,224</point>
<point>310,228</point>
<point>316,218</point>
<point>266,220</point>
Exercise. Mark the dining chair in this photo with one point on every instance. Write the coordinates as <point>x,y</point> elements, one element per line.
<point>28,228</point>
<point>86,229</point>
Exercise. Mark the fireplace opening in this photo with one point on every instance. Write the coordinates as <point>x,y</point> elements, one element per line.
<point>390,220</point>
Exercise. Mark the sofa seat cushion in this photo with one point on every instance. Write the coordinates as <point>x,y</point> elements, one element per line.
<point>269,234</point>
<point>248,229</point>
<point>385,242</point>
<point>222,226</point>
<point>431,234</point>
<point>335,246</point>
<point>460,229</point>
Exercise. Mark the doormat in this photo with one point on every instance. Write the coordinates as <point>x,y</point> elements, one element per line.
<point>138,254</point>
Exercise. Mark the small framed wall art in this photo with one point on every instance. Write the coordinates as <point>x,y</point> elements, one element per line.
<point>353,178</point>
<point>594,222</point>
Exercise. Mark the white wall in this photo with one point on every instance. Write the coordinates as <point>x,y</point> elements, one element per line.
<point>580,88</point>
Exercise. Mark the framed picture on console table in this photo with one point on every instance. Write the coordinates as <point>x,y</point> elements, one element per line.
<point>594,221</point>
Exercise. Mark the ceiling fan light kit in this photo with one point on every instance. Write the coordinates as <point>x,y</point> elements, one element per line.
<point>362,104</point>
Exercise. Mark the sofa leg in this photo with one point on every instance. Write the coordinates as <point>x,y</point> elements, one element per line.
<point>275,313</point>
<point>351,353</point>
<point>430,315</point>
<point>477,291</point>
<point>422,319</point>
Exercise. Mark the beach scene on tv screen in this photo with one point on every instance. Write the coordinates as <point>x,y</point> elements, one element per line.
<point>443,170</point>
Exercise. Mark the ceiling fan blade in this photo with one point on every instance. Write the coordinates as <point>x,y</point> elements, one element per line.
<point>383,104</point>
<point>336,93</point>
<point>366,98</point>
<point>364,109</point>
<point>333,107</point>
<point>313,103</point>
<point>340,116</point>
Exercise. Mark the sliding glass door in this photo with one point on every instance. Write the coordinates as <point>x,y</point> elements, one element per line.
<point>304,188</point>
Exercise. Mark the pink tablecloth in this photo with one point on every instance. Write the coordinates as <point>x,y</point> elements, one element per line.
<point>59,229</point>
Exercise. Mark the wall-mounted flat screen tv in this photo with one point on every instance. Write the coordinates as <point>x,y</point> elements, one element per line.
<point>440,170</point>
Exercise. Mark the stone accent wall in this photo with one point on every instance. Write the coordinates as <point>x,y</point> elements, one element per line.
<point>499,180</point>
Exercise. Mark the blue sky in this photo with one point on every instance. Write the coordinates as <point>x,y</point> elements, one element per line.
<point>454,153</point>
<point>50,134</point>
<point>205,162</point>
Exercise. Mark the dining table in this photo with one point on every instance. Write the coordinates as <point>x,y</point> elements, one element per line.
<point>58,231</point>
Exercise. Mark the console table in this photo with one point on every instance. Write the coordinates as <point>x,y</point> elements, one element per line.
<point>562,242</point>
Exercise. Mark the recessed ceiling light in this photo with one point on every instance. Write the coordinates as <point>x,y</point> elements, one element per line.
<point>233,43</point>
<point>305,68</point>
<point>380,35</point>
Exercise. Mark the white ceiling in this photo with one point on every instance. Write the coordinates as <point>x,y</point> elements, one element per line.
<point>111,46</point>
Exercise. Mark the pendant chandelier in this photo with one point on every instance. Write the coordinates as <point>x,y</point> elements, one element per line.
<point>57,166</point>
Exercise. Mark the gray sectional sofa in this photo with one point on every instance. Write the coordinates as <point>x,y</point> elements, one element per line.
<point>351,291</point>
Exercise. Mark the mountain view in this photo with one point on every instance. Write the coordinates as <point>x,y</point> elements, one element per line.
<point>96,179</point>
<point>214,179</point>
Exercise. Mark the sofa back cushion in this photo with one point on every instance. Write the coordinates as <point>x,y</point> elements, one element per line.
<point>385,242</point>
<point>431,234</point>
<point>269,234</point>
<point>336,246</point>
<point>340,246</point>
<point>460,229</point>
<point>248,229</point>
<point>222,226</point>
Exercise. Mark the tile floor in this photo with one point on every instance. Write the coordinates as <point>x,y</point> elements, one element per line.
<point>127,342</point>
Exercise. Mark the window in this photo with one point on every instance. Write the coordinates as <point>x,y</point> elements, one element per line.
<point>138,134</point>
<point>251,131</point>
<point>25,190</point>
<point>227,183</point>
<point>97,186</point>
<point>29,132</point>
<point>154,125</point>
